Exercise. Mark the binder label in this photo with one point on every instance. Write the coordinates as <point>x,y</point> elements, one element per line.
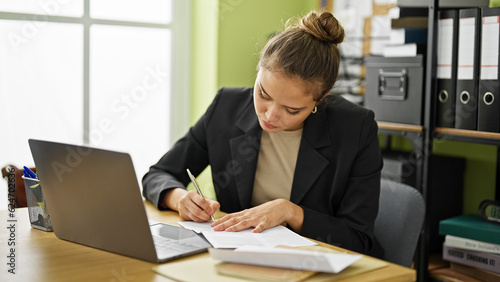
<point>445,47</point>
<point>489,47</point>
<point>466,48</point>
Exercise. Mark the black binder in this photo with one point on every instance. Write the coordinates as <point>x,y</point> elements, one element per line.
<point>489,78</point>
<point>468,68</point>
<point>447,48</point>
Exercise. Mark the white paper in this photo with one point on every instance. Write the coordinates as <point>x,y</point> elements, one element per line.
<point>286,258</point>
<point>381,28</point>
<point>275,236</point>
<point>152,222</point>
<point>385,2</point>
<point>197,227</point>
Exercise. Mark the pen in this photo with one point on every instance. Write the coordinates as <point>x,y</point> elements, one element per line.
<point>30,173</point>
<point>195,183</point>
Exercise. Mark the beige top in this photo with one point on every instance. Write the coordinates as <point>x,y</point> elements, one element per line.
<point>276,166</point>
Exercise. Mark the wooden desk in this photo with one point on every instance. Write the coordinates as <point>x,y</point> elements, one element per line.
<point>41,256</point>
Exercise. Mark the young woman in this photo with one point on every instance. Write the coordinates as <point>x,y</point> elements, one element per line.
<point>283,152</point>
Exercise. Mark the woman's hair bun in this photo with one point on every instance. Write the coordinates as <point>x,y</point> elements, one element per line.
<point>323,26</point>
<point>308,50</point>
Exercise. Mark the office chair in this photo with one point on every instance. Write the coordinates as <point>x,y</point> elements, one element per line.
<point>399,221</point>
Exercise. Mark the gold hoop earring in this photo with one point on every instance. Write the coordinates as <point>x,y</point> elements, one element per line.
<point>315,110</point>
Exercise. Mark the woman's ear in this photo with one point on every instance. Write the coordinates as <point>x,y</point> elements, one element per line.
<point>323,98</point>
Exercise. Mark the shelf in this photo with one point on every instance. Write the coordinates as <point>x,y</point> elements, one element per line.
<point>413,133</point>
<point>443,133</point>
<point>399,126</point>
<point>482,137</point>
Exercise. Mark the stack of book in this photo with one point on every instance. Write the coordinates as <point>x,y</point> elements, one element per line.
<point>413,14</point>
<point>472,246</point>
<point>408,35</point>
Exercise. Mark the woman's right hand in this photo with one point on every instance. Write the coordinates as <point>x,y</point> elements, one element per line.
<point>190,204</point>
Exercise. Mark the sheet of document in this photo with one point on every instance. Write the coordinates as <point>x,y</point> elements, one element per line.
<point>287,258</point>
<point>197,227</point>
<point>275,236</point>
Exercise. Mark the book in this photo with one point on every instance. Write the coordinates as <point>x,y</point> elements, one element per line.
<point>253,272</point>
<point>414,22</point>
<point>470,244</point>
<point>472,227</point>
<point>478,273</point>
<point>408,35</point>
<point>404,50</point>
<point>482,260</point>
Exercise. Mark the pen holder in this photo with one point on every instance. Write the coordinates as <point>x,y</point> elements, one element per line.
<point>38,212</point>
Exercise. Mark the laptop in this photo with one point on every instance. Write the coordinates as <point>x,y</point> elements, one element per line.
<point>93,198</point>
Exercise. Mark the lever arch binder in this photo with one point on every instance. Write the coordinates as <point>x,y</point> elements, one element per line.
<point>446,71</point>
<point>468,69</point>
<point>489,83</point>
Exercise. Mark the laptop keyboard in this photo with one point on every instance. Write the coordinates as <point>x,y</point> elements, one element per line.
<point>166,246</point>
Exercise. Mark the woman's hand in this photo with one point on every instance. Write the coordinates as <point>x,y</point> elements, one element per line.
<point>263,217</point>
<point>190,205</point>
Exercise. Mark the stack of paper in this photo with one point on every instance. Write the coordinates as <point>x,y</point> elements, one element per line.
<point>287,258</point>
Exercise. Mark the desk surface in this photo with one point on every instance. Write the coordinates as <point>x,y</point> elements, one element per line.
<point>41,256</point>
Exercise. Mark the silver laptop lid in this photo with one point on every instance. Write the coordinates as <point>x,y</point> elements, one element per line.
<point>93,198</point>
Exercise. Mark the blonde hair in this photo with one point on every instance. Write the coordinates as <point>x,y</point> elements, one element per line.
<point>307,50</point>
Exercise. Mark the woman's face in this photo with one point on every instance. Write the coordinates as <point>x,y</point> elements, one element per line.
<point>281,103</point>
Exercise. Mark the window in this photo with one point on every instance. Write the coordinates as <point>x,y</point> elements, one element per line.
<point>95,72</point>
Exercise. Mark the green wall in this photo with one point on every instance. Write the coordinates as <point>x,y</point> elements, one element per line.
<point>204,55</point>
<point>245,29</point>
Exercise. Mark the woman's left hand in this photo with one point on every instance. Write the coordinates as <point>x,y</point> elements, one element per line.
<point>262,217</point>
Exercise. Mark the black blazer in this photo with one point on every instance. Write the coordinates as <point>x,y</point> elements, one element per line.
<point>337,175</point>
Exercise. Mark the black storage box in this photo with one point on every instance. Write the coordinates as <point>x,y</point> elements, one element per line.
<point>394,88</point>
<point>445,189</point>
